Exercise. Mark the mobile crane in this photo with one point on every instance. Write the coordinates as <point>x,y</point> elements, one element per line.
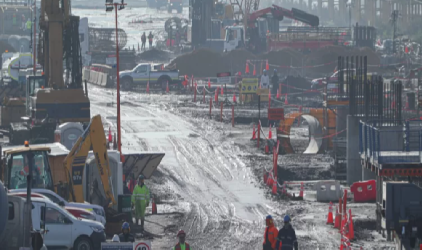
<point>257,31</point>
<point>60,100</point>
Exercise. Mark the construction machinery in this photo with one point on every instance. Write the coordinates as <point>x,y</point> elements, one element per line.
<point>62,100</point>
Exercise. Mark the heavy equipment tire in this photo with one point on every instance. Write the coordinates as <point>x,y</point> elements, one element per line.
<point>162,82</point>
<point>126,83</point>
<point>83,243</point>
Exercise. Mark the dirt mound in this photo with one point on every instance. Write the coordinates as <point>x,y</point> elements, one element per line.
<point>154,55</point>
<point>236,59</point>
<point>329,57</point>
<point>284,57</point>
<point>5,46</point>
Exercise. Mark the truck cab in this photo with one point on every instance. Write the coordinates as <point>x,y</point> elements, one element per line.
<point>234,38</point>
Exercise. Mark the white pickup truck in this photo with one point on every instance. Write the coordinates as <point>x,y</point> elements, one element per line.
<point>146,72</point>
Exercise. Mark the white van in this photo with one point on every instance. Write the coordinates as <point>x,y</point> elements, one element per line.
<point>63,230</point>
<point>97,210</point>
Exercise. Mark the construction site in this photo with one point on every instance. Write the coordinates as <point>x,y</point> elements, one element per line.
<point>202,124</point>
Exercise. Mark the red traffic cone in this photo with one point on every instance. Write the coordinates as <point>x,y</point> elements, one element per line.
<point>270,132</point>
<point>270,180</point>
<point>234,98</point>
<point>147,88</point>
<point>274,189</point>
<point>254,72</point>
<point>277,95</point>
<point>253,133</point>
<point>222,90</point>
<point>209,83</point>
<point>301,190</point>
<point>350,226</point>
<point>246,68</point>
<point>330,215</point>
<point>286,99</point>
<point>167,90</point>
<point>267,65</point>
<point>109,135</point>
<point>154,210</point>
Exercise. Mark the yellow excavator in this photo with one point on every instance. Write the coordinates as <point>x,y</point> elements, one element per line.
<point>56,100</point>
<point>74,163</point>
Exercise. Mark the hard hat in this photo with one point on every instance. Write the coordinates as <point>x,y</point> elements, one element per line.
<point>286,218</point>
<point>264,70</point>
<point>116,238</point>
<point>141,177</point>
<point>181,232</point>
<point>269,217</point>
<point>125,225</point>
<point>275,70</point>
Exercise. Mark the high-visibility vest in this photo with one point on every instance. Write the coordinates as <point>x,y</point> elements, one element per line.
<point>29,25</point>
<point>185,247</point>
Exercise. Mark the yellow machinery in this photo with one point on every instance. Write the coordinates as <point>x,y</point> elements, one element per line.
<point>74,163</point>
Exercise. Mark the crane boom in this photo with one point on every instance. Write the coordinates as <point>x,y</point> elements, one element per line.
<point>75,161</point>
<point>279,13</point>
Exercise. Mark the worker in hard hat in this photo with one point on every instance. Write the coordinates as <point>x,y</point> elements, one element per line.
<point>275,82</point>
<point>270,234</point>
<point>126,236</point>
<point>264,80</point>
<point>286,238</point>
<point>181,245</point>
<point>140,199</point>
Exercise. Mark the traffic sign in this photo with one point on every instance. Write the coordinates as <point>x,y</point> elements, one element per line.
<point>276,114</point>
<point>142,245</point>
<point>224,77</point>
<point>117,246</point>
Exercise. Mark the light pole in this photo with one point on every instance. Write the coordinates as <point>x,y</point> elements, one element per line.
<point>109,6</point>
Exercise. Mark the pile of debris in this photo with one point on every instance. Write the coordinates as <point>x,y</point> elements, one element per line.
<point>205,62</point>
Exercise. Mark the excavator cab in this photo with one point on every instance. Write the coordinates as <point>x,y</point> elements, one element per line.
<point>34,83</point>
<point>16,163</point>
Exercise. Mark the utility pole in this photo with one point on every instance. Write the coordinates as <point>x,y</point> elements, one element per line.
<point>109,6</point>
<point>394,17</point>
<point>34,54</point>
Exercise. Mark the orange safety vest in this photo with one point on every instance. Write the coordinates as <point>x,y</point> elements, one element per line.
<point>271,234</point>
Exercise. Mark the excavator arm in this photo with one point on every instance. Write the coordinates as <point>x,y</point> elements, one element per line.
<point>279,13</point>
<point>74,163</point>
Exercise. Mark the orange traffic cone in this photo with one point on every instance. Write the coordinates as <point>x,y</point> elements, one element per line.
<point>147,88</point>
<point>274,189</point>
<point>167,90</point>
<point>222,90</point>
<point>254,72</point>
<point>267,65</point>
<point>350,226</point>
<point>246,68</point>
<point>270,132</point>
<point>330,215</point>
<point>337,218</point>
<point>109,135</point>
<point>209,83</point>
<point>253,133</point>
<point>270,180</point>
<point>154,211</point>
<point>286,99</point>
<point>301,190</point>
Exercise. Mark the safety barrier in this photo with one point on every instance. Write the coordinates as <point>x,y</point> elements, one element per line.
<point>364,191</point>
<point>328,191</point>
<point>99,75</point>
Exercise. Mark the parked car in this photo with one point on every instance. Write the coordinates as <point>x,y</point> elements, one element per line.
<point>63,230</point>
<point>77,212</point>
<point>97,210</point>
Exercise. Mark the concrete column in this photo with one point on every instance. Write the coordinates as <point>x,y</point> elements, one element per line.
<point>354,167</point>
<point>331,9</point>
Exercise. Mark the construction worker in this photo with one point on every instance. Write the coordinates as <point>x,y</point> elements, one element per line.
<point>286,238</point>
<point>181,245</point>
<point>144,40</point>
<point>140,199</point>
<point>264,80</point>
<point>275,81</point>
<point>150,37</point>
<point>270,234</point>
<point>126,236</point>
<point>29,24</point>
